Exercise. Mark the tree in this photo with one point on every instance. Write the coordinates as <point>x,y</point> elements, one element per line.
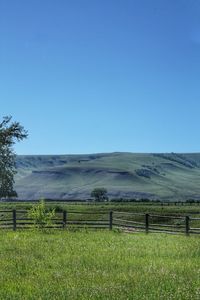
<point>100,194</point>
<point>10,132</point>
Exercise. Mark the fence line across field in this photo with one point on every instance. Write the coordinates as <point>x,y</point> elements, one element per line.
<point>131,222</point>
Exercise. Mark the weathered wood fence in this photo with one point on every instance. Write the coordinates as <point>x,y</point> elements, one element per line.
<point>19,219</point>
<point>132,222</point>
<point>157,223</point>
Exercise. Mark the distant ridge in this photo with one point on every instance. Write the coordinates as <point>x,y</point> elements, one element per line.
<point>163,176</point>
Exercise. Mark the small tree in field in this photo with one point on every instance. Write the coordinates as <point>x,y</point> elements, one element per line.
<point>99,194</point>
<point>41,216</point>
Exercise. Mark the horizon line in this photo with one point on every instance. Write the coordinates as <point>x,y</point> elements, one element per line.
<point>112,152</point>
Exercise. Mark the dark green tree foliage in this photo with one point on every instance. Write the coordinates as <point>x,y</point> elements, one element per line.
<point>99,194</point>
<point>10,132</point>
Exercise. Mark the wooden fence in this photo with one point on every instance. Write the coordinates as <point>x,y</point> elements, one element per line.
<point>19,219</point>
<point>157,223</point>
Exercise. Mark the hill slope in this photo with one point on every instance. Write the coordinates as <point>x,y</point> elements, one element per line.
<point>155,176</point>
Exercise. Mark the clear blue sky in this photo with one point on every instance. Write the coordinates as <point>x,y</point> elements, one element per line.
<point>87,76</point>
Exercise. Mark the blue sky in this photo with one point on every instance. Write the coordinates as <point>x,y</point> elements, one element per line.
<point>87,76</point>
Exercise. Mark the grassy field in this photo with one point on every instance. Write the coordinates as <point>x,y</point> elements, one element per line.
<point>141,207</point>
<point>98,265</point>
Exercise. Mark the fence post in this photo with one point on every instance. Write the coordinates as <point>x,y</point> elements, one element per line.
<point>64,219</point>
<point>147,223</point>
<point>187,225</point>
<point>110,220</point>
<point>14,220</point>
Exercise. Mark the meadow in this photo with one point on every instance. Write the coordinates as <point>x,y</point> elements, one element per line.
<point>98,265</point>
<point>140,207</point>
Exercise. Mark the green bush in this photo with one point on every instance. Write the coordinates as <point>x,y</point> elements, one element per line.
<point>41,216</point>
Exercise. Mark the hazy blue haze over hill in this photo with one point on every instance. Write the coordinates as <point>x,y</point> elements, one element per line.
<point>128,175</point>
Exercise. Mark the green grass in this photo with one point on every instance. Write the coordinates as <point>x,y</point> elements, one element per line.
<point>106,206</point>
<point>98,265</point>
<point>180,210</point>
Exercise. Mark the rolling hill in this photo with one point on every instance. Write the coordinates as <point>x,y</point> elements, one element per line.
<point>129,175</point>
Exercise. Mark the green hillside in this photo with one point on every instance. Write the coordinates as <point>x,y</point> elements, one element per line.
<point>128,175</point>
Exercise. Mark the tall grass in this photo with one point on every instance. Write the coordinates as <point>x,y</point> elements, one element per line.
<point>98,265</point>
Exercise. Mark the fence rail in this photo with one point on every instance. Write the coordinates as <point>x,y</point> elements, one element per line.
<point>132,222</point>
<point>157,223</point>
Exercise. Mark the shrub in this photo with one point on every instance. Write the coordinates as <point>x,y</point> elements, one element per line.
<point>41,216</point>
